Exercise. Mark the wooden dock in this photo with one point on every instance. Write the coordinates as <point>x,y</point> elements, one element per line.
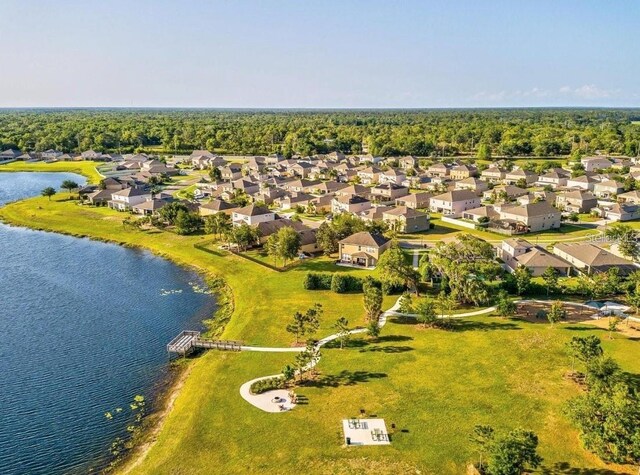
<point>188,340</point>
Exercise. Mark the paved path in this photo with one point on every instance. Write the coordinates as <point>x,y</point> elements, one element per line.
<point>263,401</point>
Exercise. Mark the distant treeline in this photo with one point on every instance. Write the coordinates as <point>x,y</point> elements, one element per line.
<point>503,132</point>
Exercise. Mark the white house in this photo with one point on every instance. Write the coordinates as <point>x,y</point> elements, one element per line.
<point>124,200</point>
<point>454,202</point>
<point>252,215</point>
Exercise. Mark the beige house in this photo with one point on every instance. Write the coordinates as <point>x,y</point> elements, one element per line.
<point>589,258</point>
<point>461,172</point>
<point>533,217</point>
<point>414,200</point>
<point>406,220</point>
<point>521,253</point>
<point>363,249</point>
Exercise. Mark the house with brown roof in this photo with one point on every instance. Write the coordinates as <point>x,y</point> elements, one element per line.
<point>512,177</point>
<point>406,220</point>
<point>393,176</point>
<point>532,217</point>
<point>124,200</point>
<point>473,184</point>
<point>595,163</point>
<point>589,258</point>
<point>607,188</point>
<point>576,201</point>
<point>363,249</point>
<point>454,202</point>
<point>438,169</point>
<point>389,191</point>
<point>460,172</point>
<point>521,253</point>
<point>414,200</point>
<point>493,174</point>
<point>252,215</point>
<point>216,206</point>
<point>349,204</point>
<point>630,197</point>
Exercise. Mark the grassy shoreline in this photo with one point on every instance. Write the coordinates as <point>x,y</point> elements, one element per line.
<point>437,384</point>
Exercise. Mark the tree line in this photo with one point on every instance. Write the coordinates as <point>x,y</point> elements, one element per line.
<point>504,132</point>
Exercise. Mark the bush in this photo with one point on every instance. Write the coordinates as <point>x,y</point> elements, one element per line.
<point>339,283</point>
<point>265,385</point>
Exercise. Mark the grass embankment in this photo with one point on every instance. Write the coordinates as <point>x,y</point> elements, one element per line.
<point>264,299</point>
<point>434,385</point>
<point>85,168</point>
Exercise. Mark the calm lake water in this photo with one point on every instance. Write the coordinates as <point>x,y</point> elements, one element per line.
<point>83,329</point>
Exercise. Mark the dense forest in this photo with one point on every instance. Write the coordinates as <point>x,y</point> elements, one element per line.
<point>503,132</point>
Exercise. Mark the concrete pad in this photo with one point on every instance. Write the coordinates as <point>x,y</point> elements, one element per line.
<point>364,430</point>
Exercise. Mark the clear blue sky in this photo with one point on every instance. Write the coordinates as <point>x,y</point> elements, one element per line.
<point>324,53</point>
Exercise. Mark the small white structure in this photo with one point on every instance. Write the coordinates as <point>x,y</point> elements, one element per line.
<point>365,432</point>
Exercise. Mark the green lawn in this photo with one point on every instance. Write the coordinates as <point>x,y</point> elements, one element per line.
<point>86,168</point>
<point>434,384</point>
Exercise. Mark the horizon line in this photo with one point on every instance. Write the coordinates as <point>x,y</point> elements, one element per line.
<point>247,108</point>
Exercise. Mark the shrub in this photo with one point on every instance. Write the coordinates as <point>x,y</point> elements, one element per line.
<point>338,283</point>
<point>265,385</point>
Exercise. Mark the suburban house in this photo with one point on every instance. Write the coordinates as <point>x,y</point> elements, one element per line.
<point>595,163</point>
<point>554,178</point>
<point>406,220</point>
<point>519,252</point>
<point>607,188</point>
<point>414,200</point>
<point>631,197</point>
<point>504,193</point>
<point>454,202</point>
<point>473,184</point>
<point>577,201</point>
<point>393,176</point>
<point>532,218</point>
<point>589,258</point>
<point>584,182</point>
<point>408,162</point>
<point>389,191</point>
<point>620,211</point>
<point>369,175</point>
<point>151,206</point>
<point>252,215</point>
<point>231,172</point>
<point>514,176</point>
<point>461,172</point>
<point>363,249</point>
<point>216,206</point>
<point>493,174</point>
<point>124,200</point>
<point>438,169</point>
<point>349,204</point>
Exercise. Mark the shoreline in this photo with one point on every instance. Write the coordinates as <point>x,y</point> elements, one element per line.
<point>214,326</point>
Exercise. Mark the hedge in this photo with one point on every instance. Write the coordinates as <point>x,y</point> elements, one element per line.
<point>265,385</point>
<point>342,283</point>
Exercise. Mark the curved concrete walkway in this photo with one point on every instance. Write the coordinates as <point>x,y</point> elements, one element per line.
<point>264,401</point>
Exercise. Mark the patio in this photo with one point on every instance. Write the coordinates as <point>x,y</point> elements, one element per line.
<point>365,432</point>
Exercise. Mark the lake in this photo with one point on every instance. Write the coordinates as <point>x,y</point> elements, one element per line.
<point>83,329</point>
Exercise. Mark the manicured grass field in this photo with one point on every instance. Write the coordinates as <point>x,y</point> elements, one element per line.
<point>435,385</point>
<point>86,168</point>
